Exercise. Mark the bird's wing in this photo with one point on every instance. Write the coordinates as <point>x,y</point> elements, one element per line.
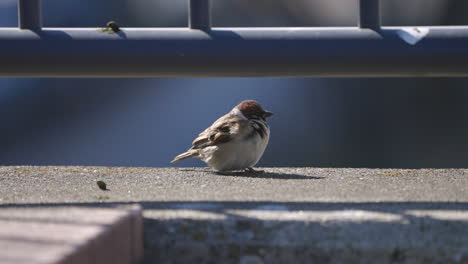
<point>223,130</point>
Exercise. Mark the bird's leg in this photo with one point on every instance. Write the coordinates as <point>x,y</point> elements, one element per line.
<point>252,170</point>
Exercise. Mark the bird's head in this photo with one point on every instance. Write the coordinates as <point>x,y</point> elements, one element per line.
<point>253,110</point>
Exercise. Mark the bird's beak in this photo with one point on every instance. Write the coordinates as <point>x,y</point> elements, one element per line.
<point>268,114</point>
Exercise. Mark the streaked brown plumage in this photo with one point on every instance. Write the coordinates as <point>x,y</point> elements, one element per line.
<point>235,141</point>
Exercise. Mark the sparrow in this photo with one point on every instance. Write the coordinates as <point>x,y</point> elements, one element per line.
<point>236,141</point>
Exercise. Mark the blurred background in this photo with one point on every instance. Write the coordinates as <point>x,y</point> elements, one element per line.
<point>398,123</point>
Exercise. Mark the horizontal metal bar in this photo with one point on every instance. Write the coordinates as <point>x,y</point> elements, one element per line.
<point>369,14</point>
<point>293,52</point>
<point>199,14</point>
<point>29,14</point>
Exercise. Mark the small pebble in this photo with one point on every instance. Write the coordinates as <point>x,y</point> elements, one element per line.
<point>102,185</point>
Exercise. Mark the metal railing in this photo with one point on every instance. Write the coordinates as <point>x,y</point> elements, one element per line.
<point>367,50</point>
<point>29,14</point>
<point>369,14</point>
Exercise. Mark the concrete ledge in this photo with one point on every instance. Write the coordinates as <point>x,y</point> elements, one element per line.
<point>286,215</point>
<point>70,235</point>
<point>296,232</point>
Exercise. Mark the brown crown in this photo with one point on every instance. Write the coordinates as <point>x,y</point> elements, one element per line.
<point>250,108</point>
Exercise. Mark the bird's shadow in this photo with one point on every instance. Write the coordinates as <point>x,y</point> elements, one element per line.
<point>268,175</point>
<point>264,174</point>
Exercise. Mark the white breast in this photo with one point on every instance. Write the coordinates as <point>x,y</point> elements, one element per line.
<point>237,154</point>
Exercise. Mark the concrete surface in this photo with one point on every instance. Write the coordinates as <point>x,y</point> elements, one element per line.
<point>46,235</point>
<point>286,215</point>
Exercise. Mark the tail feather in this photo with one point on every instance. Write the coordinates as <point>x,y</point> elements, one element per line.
<point>189,154</point>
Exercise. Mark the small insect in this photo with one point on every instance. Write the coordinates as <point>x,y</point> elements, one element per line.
<point>102,185</point>
<point>111,27</point>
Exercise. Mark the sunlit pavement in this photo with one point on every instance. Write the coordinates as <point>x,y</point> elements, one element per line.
<point>67,234</point>
<point>193,215</point>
